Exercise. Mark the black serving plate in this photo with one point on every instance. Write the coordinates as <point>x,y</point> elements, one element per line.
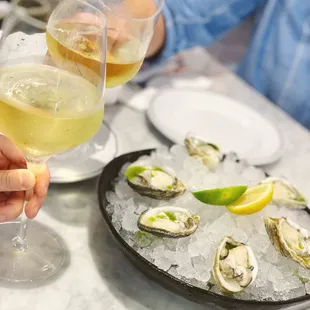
<point>110,172</point>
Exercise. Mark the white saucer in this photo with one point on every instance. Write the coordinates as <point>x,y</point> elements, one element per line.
<point>231,125</point>
<point>85,161</point>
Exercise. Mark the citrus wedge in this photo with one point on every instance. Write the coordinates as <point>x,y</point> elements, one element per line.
<point>253,200</point>
<point>220,196</point>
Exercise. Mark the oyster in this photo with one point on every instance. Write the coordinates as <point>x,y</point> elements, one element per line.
<point>289,239</point>
<point>154,182</point>
<point>169,221</point>
<point>286,194</point>
<point>209,153</point>
<point>234,266</point>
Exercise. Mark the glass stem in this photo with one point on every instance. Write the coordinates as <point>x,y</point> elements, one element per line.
<point>20,242</point>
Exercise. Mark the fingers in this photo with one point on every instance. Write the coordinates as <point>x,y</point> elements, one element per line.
<point>40,192</point>
<point>43,181</point>
<point>29,194</point>
<point>33,207</point>
<point>16,180</point>
<point>11,207</point>
<point>86,17</point>
<point>11,152</point>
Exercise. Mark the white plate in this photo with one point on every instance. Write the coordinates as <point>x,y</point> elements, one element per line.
<point>85,161</point>
<point>218,119</point>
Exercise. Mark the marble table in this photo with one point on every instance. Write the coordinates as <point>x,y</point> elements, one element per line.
<point>97,275</point>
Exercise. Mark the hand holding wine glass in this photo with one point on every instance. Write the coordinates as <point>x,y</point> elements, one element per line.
<point>15,179</point>
<point>129,32</point>
<point>53,102</point>
<point>47,107</point>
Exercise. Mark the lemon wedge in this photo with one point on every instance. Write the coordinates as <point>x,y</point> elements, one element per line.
<point>253,200</point>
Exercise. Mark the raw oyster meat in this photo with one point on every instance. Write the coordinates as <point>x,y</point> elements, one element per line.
<point>286,194</point>
<point>234,266</point>
<point>154,182</point>
<point>209,153</point>
<point>169,221</point>
<point>290,239</point>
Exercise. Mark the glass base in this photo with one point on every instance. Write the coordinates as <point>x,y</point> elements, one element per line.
<point>44,257</point>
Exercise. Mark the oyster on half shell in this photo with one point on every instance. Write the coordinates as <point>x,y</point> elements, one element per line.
<point>209,153</point>
<point>154,182</point>
<point>290,239</point>
<point>286,194</point>
<point>234,266</point>
<point>169,221</point>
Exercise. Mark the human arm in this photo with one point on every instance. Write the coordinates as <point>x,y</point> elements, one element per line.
<point>186,23</point>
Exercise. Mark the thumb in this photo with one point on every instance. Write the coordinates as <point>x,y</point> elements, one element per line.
<point>16,180</point>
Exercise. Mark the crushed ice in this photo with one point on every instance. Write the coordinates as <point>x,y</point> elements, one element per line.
<point>190,259</point>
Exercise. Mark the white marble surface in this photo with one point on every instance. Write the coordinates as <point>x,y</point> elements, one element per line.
<point>97,275</point>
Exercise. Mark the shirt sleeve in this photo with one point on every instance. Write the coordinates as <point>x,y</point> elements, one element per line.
<point>191,23</point>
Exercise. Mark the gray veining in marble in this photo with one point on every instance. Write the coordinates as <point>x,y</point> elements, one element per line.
<point>97,275</point>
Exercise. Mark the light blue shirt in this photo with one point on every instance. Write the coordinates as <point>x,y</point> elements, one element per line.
<point>277,61</point>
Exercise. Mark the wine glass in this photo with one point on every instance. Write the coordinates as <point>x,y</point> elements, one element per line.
<point>46,108</point>
<point>131,26</point>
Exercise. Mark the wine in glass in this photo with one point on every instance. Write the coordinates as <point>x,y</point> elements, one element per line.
<point>130,29</point>
<point>46,108</point>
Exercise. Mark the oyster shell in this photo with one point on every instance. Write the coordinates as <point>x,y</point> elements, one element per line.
<point>286,194</point>
<point>154,182</point>
<point>290,239</point>
<point>234,266</point>
<point>169,221</point>
<point>209,153</point>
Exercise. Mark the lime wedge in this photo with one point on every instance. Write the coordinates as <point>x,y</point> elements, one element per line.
<point>220,196</point>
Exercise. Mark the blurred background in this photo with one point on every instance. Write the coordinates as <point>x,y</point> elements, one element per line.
<point>40,9</point>
<point>236,40</point>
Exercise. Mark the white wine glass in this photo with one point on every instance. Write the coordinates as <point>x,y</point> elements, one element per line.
<point>131,25</point>
<point>46,107</point>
